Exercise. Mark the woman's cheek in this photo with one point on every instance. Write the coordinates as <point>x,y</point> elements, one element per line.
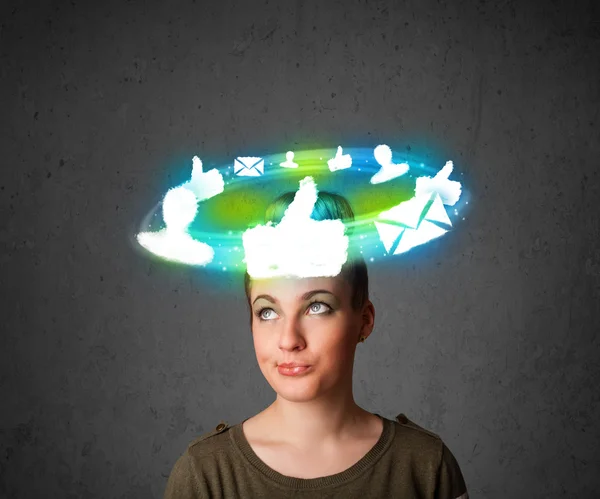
<point>262,350</point>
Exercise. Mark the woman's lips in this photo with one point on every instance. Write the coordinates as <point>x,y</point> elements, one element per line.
<point>292,371</point>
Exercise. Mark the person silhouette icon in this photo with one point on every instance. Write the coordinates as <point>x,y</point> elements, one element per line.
<point>289,160</point>
<point>388,170</point>
<point>179,207</point>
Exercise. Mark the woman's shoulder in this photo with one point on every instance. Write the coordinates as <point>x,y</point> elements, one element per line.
<point>429,453</point>
<point>197,461</point>
<point>210,441</point>
<point>415,442</point>
<point>411,428</point>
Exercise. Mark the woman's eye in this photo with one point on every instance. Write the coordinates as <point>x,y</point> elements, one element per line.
<point>317,308</point>
<point>262,315</point>
<point>314,307</point>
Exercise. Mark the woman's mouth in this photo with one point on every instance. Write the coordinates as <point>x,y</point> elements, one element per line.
<point>292,371</point>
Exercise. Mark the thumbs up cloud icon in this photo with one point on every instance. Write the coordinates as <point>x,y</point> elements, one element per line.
<point>204,185</point>
<point>340,161</point>
<point>298,246</point>
<point>449,190</point>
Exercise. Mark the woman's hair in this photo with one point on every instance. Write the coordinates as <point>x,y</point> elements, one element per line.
<point>329,206</point>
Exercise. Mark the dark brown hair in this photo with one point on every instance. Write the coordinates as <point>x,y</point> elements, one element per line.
<point>329,206</point>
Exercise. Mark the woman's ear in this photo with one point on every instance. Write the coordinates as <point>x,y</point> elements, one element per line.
<point>368,318</point>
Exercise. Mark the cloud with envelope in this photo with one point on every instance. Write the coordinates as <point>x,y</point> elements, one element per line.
<point>412,223</point>
<point>422,218</point>
<point>298,246</point>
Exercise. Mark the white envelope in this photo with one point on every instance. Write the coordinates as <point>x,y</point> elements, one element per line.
<point>412,223</point>
<point>249,167</point>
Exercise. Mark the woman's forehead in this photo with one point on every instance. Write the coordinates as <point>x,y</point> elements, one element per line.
<point>291,288</point>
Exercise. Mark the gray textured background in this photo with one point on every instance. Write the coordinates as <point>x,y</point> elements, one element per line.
<point>112,363</point>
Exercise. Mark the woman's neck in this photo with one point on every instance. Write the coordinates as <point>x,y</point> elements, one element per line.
<point>311,428</point>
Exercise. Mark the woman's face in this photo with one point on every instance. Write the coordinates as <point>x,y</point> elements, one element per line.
<point>309,321</point>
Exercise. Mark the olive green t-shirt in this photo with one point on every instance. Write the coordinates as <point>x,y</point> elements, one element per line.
<point>406,462</point>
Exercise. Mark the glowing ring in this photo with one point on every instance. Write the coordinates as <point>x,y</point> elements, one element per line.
<point>228,210</point>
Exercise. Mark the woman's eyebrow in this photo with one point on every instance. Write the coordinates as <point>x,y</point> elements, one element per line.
<point>305,296</point>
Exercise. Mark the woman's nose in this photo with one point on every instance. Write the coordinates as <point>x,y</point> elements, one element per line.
<point>291,333</point>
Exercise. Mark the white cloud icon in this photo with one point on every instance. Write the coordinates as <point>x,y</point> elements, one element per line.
<point>180,206</point>
<point>298,246</point>
<point>449,190</point>
<point>204,185</point>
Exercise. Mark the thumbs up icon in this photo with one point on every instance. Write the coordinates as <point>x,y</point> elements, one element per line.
<point>340,161</point>
<point>298,246</point>
<point>204,185</point>
<point>449,190</point>
<point>301,207</point>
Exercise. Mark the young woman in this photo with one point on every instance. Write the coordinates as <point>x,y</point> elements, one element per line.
<point>314,441</point>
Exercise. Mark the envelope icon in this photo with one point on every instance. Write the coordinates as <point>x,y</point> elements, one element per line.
<point>249,167</point>
<point>412,223</point>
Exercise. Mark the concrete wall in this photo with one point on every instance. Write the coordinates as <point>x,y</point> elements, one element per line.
<point>111,363</point>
